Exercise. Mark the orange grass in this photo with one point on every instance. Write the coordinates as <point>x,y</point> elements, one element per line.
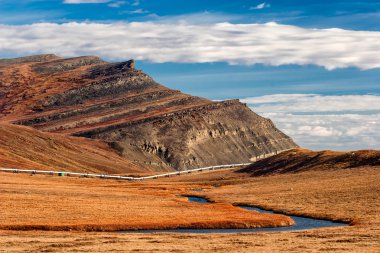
<point>350,194</point>
<point>27,148</point>
<point>53,203</point>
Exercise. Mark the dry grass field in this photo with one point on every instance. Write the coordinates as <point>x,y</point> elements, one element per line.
<point>56,203</point>
<point>351,195</point>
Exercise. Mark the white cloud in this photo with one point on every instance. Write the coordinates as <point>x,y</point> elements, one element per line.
<point>198,18</point>
<point>324,122</point>
<point>270,43</point>
<point>112,3</point>
<point>260,6</point>
<point>117,4</point>
<point>337,132</point>
<point>314,103</point>
<point>320,131</point>
<point>86,1</point>
<point>138,11</point>
<point>135,3</point>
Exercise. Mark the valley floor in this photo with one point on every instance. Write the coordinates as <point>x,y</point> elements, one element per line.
<point>351,195</point>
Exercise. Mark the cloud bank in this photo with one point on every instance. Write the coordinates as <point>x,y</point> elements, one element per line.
<point>324,122</point>
<point>246,44</point>
<point>301,103</point>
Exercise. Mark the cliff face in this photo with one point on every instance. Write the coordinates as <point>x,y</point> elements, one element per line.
<point>141,119</point>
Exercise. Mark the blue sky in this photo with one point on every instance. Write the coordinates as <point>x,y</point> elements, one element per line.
<point>289,51</point>
<point>358,15</point>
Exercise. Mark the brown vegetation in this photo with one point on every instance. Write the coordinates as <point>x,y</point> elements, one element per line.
<point>350,195</point>
<point>298,160</point>
<point>26,148</point>
<point>54,203</point>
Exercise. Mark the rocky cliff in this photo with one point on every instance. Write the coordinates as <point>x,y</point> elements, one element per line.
<point>139,118</point>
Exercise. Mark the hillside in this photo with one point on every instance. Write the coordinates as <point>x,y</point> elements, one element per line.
<point>24,147</point>
<point>298,160</point>
<point>139,118</point>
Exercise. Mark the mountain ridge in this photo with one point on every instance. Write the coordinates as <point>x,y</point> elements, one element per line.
<point>23,147</point>
<point>301,160</point>
<point>141,119</point>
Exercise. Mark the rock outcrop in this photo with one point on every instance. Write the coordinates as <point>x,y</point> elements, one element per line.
<point>139,118</point>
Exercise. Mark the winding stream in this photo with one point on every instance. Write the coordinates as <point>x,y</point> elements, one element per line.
<point>301,223</point>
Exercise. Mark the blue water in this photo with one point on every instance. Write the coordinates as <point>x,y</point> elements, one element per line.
<point>197,199</point>
<point>301,223</point>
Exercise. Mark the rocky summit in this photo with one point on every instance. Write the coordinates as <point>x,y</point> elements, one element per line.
<point>140,119</point>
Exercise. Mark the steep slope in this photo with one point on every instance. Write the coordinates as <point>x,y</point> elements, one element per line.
<point>298,160</point>
<point>27,148</point>
<point>141,119</point>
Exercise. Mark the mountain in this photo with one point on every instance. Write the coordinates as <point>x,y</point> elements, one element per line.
<point>28,148</point>
<point>299,160</point>
<point>140,119</point>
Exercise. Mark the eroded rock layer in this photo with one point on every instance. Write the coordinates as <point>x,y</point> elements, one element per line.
<point>141,119</point>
